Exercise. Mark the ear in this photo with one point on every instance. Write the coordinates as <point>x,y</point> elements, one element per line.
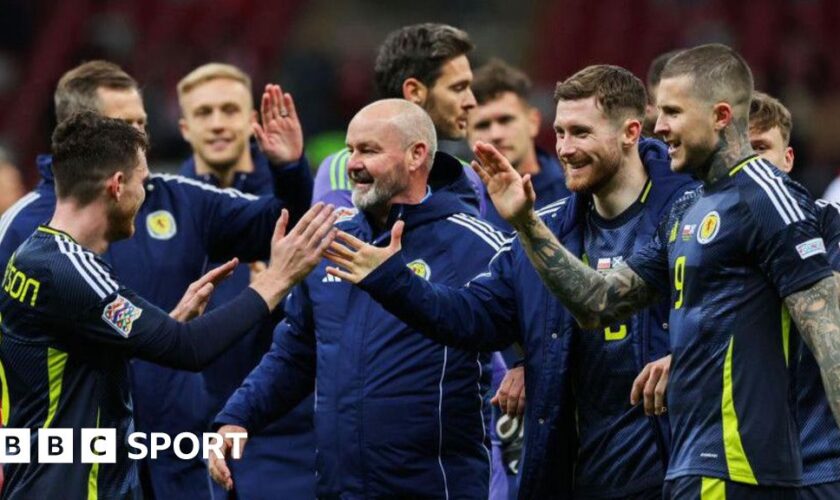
<point>631,131</point>
<point>184,128</point>
<point>788,159</point>
<point>722,115</point>
<point>415,91</point>
<point>534,118</point>
<point>115,185</point>
<point>416,155</point>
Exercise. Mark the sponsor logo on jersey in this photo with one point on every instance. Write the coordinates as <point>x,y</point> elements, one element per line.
<point>121,314</point>
<point>810,248</point>
<point>161,225</point>
<point>688,231</point>
<point>420,268</point>
<point>709,227</point>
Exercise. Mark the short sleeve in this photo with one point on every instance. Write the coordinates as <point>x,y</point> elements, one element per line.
<point>829,220</point>
<point>782,230</point>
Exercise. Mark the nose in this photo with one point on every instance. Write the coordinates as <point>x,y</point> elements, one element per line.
<point>565,146</point>
<point>661,127</point>
<point>469,100</point>
<point>216,120</point>
<point>496,132</point>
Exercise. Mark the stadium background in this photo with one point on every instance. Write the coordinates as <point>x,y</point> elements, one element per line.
<point>322,51</point>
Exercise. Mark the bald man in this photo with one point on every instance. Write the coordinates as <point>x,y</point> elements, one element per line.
<point>397,414</point>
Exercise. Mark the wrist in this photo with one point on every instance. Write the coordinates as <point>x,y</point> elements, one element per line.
<point>525,221</point>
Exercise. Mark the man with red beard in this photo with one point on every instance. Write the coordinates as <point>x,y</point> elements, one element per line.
<point>576,378</point>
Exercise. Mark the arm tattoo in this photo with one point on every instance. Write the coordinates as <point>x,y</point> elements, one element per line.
<point>817,316</point>
<point>594,299</point>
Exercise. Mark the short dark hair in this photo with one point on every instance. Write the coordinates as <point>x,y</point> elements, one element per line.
<point>417,51</point>
<point>87,149</point>
<point>654,73</point>
<point>619,92</point>
<point>718,73</point>
<point>497,77</point>
<point>76,90</point>
<point>767,112</point>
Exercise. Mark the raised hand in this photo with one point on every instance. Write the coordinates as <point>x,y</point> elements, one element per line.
<point>651,384</point>
<point>296,254</point>
<point>280,135</point>
<point>512,194</point>
<point>198,294</point>
<point>219,470</point>
<point>356,258</point>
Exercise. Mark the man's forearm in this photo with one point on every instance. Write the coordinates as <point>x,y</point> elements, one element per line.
<point>594,299</point>
<point>817,316</point>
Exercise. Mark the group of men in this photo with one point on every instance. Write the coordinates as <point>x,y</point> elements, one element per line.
<point>653,290</point>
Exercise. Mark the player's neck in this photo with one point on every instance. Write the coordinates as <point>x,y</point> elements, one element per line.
<point>529,164</point>
<point>87,225</point>
<point>733,146</point>
<point>623,189</point>
<point>225,173</point>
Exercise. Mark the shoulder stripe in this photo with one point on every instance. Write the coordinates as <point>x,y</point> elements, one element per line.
<point>779,186</point>
<point>233,193</point>
<point>88,261</point>
<point>480,226</point>
<point>781,204</point>
<point>343,180</point>
<point>97,283</point>
<point>552,207</point>
<point>101,272</point>
<point>14,210</point>
<point>332,170</point>
<point>828,203</point>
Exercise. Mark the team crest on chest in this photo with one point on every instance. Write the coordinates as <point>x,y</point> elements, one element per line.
<point>420,268</point>
<point>161,225</point>
<point>709,227</point>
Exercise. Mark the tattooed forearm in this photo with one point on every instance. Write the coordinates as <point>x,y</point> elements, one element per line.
<point>594,299</point>
<point>817,316</point>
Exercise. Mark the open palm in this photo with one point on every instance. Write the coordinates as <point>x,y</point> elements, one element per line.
<point>280,134</point>
<point>512,194</point>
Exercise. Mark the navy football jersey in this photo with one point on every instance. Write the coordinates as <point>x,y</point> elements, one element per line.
<point>726,257</point>
<point>614,435</point>
<point>68,330</point>
<point>818,431</point>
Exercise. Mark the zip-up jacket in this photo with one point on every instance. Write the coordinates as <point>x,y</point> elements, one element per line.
<point>397,415</point>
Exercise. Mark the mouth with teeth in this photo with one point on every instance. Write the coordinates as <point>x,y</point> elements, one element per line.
<point>360,177</point>
<point>672,147</point>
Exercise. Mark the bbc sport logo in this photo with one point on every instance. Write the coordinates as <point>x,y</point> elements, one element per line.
<point>56,446</point>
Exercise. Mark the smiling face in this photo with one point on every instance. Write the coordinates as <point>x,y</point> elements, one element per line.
<point>507,123</point>
<point>686,123</point>
<point>588,144</point>
<point>450,99</point>
<point>217,122</point>
<point>377,162</point>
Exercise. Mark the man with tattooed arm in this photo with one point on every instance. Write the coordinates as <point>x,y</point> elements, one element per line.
<point>739,258</point>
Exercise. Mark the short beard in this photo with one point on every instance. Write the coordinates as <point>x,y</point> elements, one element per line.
<point>608,168</point>
<point>120,225</point>
<point>378,196</point>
